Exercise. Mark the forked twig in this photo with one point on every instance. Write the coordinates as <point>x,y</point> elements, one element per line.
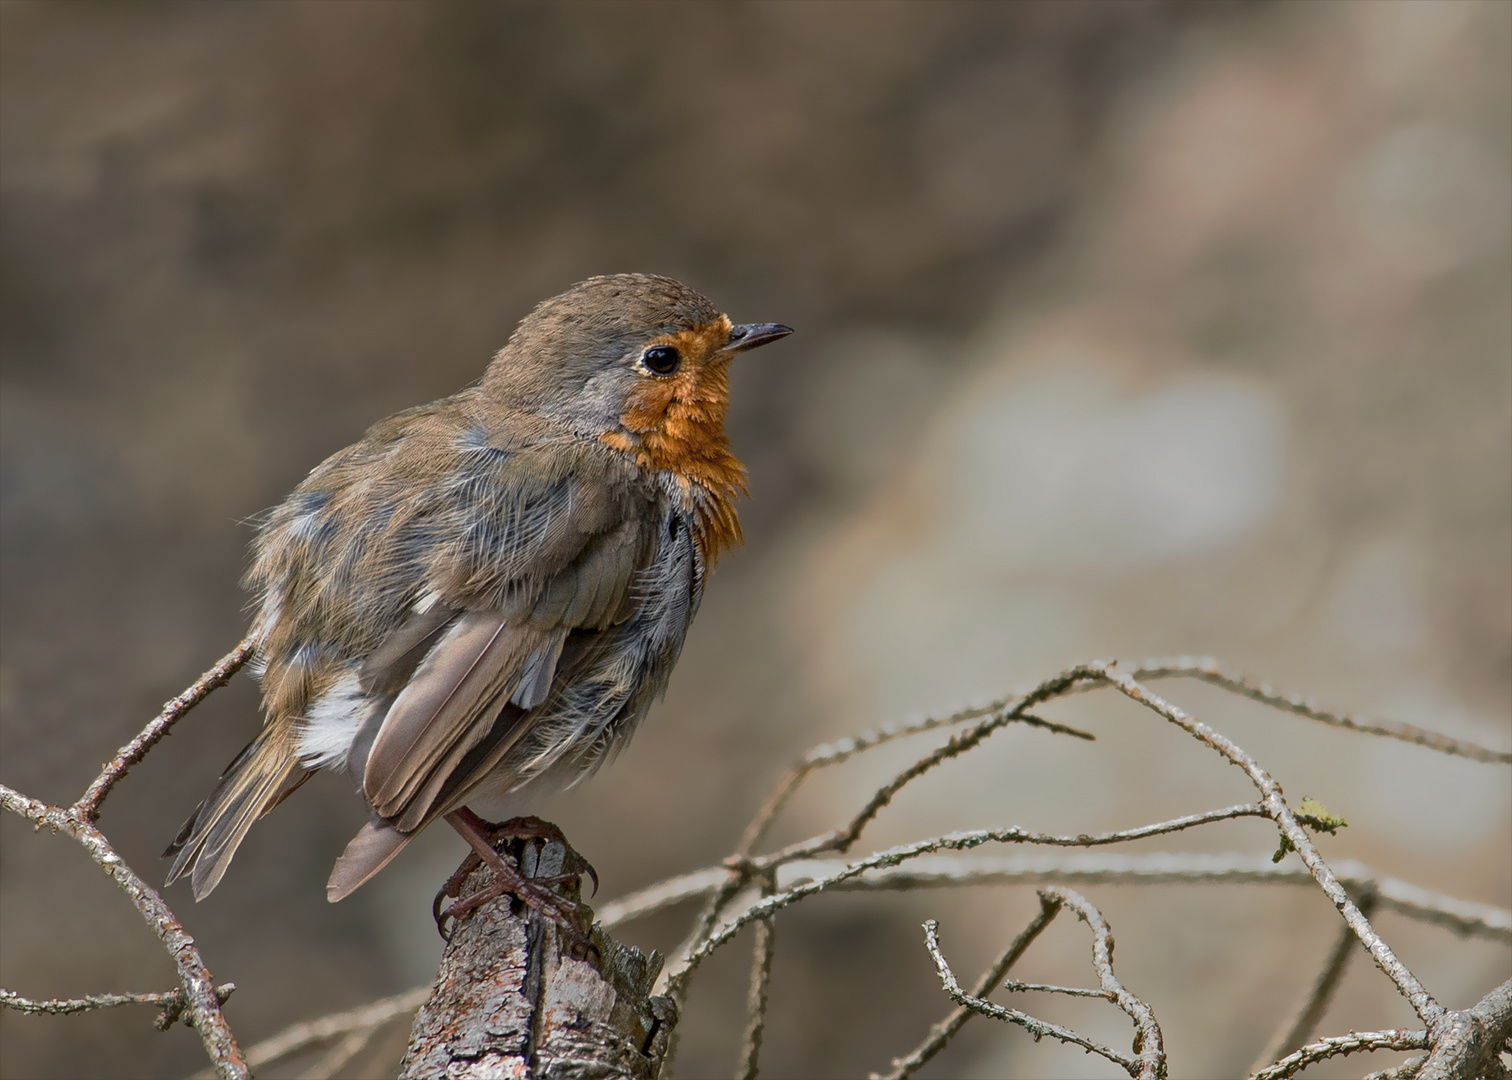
<point>942,1032</point>
<point>1148,1043</point>
<point>1150,1062</point>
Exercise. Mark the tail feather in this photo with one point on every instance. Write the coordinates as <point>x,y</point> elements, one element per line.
<point>258,779</point>
<point>369,852</point>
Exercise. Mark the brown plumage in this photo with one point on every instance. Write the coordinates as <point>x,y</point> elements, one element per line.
<point>487,592</point>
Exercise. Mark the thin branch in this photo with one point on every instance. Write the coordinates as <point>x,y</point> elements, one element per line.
<point>663,895</point>
<point>88,806</point>
<point>1036,1027</point>
<point>756,999</point>
<point>1292,1037</point>
<point>941,1033</point>
<point>1462,917</point>
<point>172,1003</point>
<point>199,988</point>
<point>1013,834</point>
<point>1405,1071</point>
<point>954,747</point>
<point>332,1061</point>
<point>992,716</point>
<point>1423,1003</point>
<point>1148,1042</point>
<point>1016,987</point>
<point>677,979</point>
<point>843,750</point>
<point>1353,1043</point>
<point>1211,671</point>
<point>291,1040</point>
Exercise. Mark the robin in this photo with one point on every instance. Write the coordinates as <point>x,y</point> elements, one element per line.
<point>485,594</point>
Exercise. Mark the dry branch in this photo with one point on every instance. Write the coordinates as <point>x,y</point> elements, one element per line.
<point>201,1000</point>
<point>1291,1037</point>
<point>204,1011</point>
<point>1211,671</point>
<point>513,994</point>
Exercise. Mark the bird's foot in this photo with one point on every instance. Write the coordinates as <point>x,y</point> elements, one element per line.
<point>538,893</point>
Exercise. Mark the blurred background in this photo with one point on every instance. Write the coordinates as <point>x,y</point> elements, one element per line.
<point>1123,329</point>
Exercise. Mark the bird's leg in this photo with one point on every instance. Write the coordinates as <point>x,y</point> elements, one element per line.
<point>534,828</point>
<point>507,879</point>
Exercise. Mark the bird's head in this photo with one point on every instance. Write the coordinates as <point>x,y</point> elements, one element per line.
<point>639,362</point>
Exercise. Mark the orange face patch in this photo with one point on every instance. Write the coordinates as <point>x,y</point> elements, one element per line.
<point>676,424</point>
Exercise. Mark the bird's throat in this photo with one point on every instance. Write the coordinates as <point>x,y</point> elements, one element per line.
<point>676,426</point>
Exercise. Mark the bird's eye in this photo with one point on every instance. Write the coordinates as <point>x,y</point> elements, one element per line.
<point>661,359</point>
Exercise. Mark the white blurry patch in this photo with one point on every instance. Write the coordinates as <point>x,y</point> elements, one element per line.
<point>1063,471</point>
<point>1035,494</point>
<point>332,722</point>
<point>1377,607</point>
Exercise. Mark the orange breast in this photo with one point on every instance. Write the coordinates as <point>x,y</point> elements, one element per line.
<point>676,424</point>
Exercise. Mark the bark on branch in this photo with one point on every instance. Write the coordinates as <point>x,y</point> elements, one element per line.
<point>516,996</point>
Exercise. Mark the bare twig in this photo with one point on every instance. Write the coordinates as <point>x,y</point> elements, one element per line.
<point>334,1059</point>
<point>1417,995</point>
<point>1211,671</point>
<point>199,989</point>
<point>1148,1043</point>
<point>366,1018</point>
<point>843,750</point>
<point>1036,1027</point>
<point>662,895</point>
<point>1353,1043</point>
<point>1291,1037</point>
<point>941,1033</point>
<point>1407,1070</point>
<point>88,806</point>
<point>1463,917</point>
<point>173,1003</point>
<point>1013,986</point>
<point>676,979</point>
<point>761,981</point>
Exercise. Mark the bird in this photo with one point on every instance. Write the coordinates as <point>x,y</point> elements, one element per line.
<point>482,597</point>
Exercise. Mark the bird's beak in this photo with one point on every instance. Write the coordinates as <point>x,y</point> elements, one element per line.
<point>745,336</point>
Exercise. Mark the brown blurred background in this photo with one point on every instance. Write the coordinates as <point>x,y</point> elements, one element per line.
<point>1123,329</point>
